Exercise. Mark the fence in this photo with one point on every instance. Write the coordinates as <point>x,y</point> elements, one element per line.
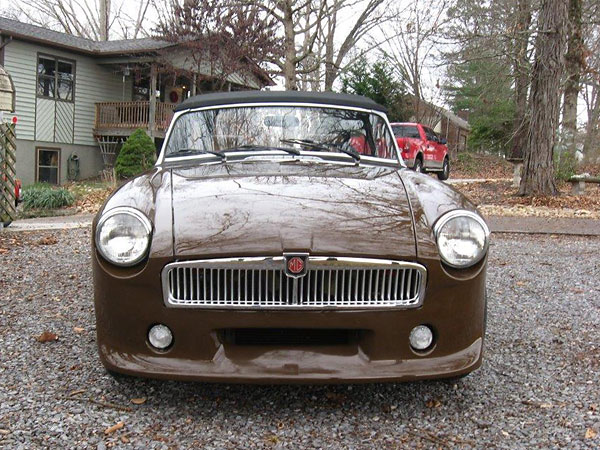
<point>8,145</point>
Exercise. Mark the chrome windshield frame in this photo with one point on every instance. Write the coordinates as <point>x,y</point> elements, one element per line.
<point>369,159</point>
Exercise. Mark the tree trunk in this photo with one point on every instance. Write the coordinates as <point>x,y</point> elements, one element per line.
<point>330,70</point>
<point>103,13</point>
<point>289,64</point>
<point>591,132</point>
<point>574,60</point>
<point>521,71</point>
<point>544,106</point>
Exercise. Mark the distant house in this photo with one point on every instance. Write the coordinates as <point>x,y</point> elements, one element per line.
<point>446,124</point>
<point>78,99</point>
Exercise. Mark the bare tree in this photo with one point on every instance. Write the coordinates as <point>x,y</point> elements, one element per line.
<point>591,90</point>
<point>521,67</point>
<point>575,62</point>
<point>370,13</point>
<point>224,37</point>
<point>544,105</point>
<point>411,43</point>
<point>93,19</point>
<point>315,46</point>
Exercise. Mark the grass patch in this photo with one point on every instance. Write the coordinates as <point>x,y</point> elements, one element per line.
<point>42,196</point>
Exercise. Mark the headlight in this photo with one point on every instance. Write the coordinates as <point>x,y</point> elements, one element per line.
<point>462,238</point>
<point>123,236</point>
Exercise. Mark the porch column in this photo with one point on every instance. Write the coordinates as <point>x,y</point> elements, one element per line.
<point>152,108</point>
<point>194,81</point>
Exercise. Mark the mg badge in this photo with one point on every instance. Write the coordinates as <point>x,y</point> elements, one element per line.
<point>295,264</point>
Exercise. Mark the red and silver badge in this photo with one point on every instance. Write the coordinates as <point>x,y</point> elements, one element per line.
<point>295,264</point>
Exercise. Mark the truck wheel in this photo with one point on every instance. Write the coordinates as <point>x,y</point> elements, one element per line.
<point>418,167</point>
<point>445,173</point>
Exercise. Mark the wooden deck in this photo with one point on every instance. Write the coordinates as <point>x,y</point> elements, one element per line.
<point>122,118</point>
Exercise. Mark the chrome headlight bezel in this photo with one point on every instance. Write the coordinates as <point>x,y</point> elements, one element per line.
<point>144,221</point>
<point>449,216</point>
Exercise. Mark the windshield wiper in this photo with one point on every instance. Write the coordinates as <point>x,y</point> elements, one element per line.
<point>324,146</point>
<point>197,151</point>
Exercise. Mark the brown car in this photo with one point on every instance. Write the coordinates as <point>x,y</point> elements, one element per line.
<point>280,238</point>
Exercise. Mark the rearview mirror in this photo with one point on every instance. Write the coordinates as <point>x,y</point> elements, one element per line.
<point>281,121</point>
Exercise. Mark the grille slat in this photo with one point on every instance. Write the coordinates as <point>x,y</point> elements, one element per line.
<point>327,284</point>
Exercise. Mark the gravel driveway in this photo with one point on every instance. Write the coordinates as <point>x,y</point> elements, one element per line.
<point>538,386</point>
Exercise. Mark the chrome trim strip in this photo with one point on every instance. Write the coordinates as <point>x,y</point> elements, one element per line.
<point>305,294</point>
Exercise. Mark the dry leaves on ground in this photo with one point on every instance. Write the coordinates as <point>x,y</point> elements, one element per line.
<point>47,336</point>
<point>48,240</point>
<point>92,202</point>
<point>115,427</point>
<point>590,433</point>
<point>472,165</point>
<point>499,198</point>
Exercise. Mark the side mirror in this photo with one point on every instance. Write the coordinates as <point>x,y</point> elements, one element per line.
<point>443,141</point>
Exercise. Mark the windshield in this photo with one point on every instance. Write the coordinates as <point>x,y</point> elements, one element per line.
<point>287,128</point>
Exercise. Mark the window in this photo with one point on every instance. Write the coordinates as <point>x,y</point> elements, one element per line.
<point>408,131</point>
<point>431,136</point>
<point>48,166</point>
<point>56,78</point>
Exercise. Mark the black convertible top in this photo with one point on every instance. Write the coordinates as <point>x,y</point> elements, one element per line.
<point>326,98</point>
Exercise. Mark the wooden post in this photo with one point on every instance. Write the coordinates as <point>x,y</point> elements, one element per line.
<point>152,106</point>
<point>194,81</point>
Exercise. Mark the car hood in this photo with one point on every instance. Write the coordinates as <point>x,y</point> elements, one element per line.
<point>267,208</point>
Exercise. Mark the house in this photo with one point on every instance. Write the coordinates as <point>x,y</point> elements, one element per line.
<point>445,123</point>
<point>77,100</point>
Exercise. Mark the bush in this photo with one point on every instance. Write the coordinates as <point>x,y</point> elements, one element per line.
<point>565,165</point>
<point>137,155</point>
<point>43,196</point>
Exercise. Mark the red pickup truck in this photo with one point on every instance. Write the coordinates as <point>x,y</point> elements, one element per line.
<point>422,149</point>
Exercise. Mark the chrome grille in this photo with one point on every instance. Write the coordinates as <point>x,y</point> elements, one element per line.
<point>262,283</point>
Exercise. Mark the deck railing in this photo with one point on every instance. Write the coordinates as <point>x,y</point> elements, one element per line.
<point>131,115</point>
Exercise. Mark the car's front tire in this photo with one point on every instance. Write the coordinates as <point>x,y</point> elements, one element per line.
<point>445,173</point>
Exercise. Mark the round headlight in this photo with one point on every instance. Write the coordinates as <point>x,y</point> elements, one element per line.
<point>123,236</point>
<point>462,238</point>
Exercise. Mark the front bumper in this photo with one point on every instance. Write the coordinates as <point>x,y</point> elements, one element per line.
<point>127,306</point>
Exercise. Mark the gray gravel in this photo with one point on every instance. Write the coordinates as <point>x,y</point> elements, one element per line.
<point>538,386</point>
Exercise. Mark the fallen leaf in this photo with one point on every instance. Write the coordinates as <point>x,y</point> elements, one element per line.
<point>590,433</point>
<point>4,432</point>
<point>521,283</point>
<point>138,401</point>
<point>115,427</point>
<point>433,403</point>
<point>3,250</point>
<point>594,407</point>
<point>48,240</point>
<point>46,336</point>
<point>77,392</point>
<point>124,439</point>
<point>505,433</point>
<point>545,405</point>
<point>78,329</point>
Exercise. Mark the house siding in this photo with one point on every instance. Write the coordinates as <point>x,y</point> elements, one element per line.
<point>93,83</point>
